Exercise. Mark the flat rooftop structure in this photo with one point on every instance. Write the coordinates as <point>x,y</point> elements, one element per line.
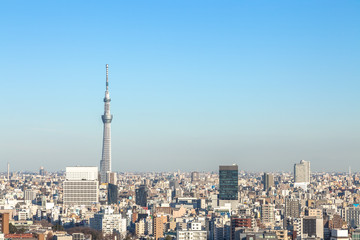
<point>82,173</point>
<point>233,167</point>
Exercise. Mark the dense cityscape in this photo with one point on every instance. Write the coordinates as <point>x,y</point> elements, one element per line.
<point>179,205</point>
<point>87,202</point>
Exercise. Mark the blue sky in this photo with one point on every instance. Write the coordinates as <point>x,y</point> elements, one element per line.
<point>194,84</point>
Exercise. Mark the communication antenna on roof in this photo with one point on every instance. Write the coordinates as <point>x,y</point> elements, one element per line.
<point>107,77</point>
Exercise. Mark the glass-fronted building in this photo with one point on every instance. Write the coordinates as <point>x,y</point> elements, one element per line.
<point>228,182</point>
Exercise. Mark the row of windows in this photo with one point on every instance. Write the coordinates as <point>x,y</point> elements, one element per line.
<point>80,191</point>
<point>80,183</point>
<point>80,188</point>
<point>67,190</point>
<point>80,197</point>
<point>74,202</point>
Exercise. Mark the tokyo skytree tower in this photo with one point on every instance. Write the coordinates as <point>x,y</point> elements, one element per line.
<point>105,163</point>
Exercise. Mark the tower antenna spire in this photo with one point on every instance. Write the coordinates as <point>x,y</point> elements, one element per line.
<point>105,163</point>
<point>107,77</point>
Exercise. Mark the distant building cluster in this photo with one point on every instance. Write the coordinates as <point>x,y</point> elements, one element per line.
<point>228,204</point>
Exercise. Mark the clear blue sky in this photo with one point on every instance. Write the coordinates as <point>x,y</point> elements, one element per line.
<point>194,84</point>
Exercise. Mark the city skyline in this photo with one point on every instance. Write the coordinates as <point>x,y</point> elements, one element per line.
<point>259,86</point>
<point>180,206</point>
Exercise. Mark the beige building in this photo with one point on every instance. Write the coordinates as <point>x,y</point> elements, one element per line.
<point>140,228</point>
<point>158,226</point>
<point>268,214</point>
<point>315,212</point>
<point>281,234</point>
<point>62,236</point>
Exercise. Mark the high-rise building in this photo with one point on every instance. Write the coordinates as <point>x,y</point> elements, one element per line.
<point>352,216</point>
<point>8,171</point>
<point>4,221</point>
<point>158,226</point>
<point>112,178</point>
<point>108,222</point>
<point>140,228</point>
<point>195,177</point>
<point>356,234</point>
<point>267,213</point>
<point>292,211</point>
<point>340,234</point>
<point>112,193</point>
<point>228,182</point>
<point>42,171</point>
<point>195,232</point>
<point>268,181</point>
<point>149,226</point>
<point>30,195</point>
<point>105,163</point>
<point>292,208</point>
<point>240,222</point>
<point>81,186</point>
<point>312,227</point>
<point>302,172</point>
<point>108,193</point>
<point>141,196</point>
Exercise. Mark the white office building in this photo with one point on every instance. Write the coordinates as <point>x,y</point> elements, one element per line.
<point>30,195</point>
<point>194,233</point>
<point>339,234</point>
<point>108,222</point>
<point>81,186</point>
<point>23,215</point>
<point>302,174</point>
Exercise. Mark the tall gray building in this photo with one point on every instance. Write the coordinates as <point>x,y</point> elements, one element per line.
<point>268,181</point>
<point>292,211</point>
<point>105,163</point>
<point>302,172</point>
<point>292,208</point>
<point>29,195</point>
<point>195,177</point>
